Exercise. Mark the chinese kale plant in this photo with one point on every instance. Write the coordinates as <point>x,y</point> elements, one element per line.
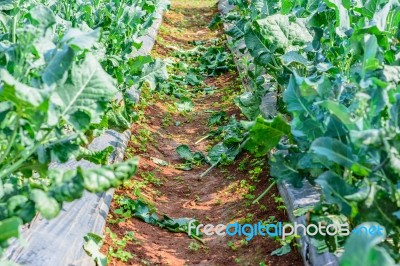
<point>334,66</point>
<point>61,65</point>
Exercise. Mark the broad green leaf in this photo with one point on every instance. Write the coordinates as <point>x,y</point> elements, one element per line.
<point>185,153</point>
<point>154,72</point>
<point>294,57</point>
<point>56,70</point>
<point>294,99</point>
<point>84,99</point>
<point>137,63</point>
<point>363,249</point>
<point>60,151</point>
<point>283,167</point>
<point>42,16</point>
<point>222,153</point>
<point>116,121</point>
<point>237,31</point>
<point>9,228</point>
<point>79,39</point>
<point>215,22</point>
<point>341,112</point>
<point>217,118</point>
<point>22,207</point>
<point>193,79</point>
<point>255,43</point>
<point>66,185</point>
<point>266,134</point>
<point>337,152</point>
<point>47,206</point>
<point>249,104</point>
<point>334,189</point>
<point>92,246</point>
<point>285,33</point>
<point>367,7</point>
<point>19,94</point>
<point>287,6</point>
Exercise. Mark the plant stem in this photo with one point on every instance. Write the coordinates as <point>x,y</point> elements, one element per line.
<point>203,138</point>
<point>14,29</point>
<point>265,192</point>
<point>209,169</point>
<point>11,142</point>
<point>198,239</point>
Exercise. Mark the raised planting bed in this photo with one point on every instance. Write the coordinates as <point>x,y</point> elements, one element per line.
<point>59,241</point>
<point>294,198</point>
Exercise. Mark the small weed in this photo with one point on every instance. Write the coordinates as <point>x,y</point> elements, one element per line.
<point>150,178</point>
<point>231,245</point>
<point>194,246</point>
<point>117,249</point>
<point>280,203</point>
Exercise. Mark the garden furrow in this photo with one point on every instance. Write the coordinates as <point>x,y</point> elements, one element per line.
<point>223,196</point>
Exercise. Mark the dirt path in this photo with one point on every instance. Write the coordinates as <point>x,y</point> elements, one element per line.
<point>220,197</point>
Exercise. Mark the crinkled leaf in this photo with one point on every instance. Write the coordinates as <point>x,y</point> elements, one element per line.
<point>47,206</point>
<point>101,179</point>
<point>84,98</point>
<point>154,72</point>
<point>98,157</point>
<point>249,104</point>
<point>285,33</point>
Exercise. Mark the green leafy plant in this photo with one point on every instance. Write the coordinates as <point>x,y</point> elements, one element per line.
<point>332,66</point>
<point>117,249</point>
<point>61,67</point>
